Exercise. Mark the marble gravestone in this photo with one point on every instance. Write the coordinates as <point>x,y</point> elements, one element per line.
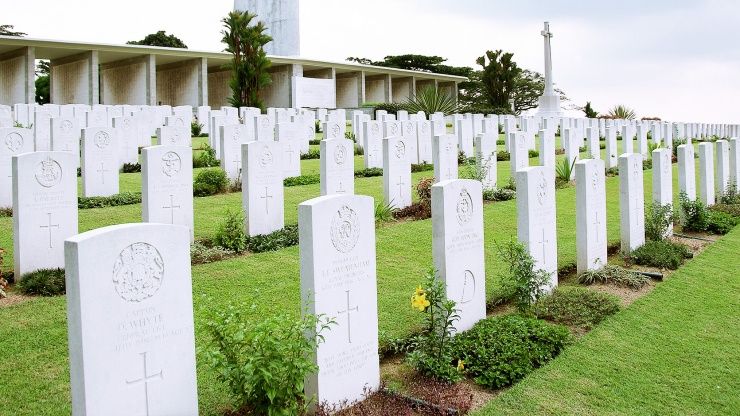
<point>373,133</point>
<point>214,135</point>
<point>167,185</point>
<point>408,132</point>
<point>65,136</point>
<point>127,131</point>
<point>722,175</point>
<point>642,140</point>
<point>444,153</point>
<point>439,127</point>
<point>572,151</point>
<point>706,173</point>
<point>592,142</point>
<point>97,118</point>
<point>734,161</point>
<point>591,238</point>
<point>338,279</point>
<point>627,138</point>
<point>686,171</point>
<point>130,320</point>
<point>458,247</point>
<point>233,136</point>
<point>519,152</point>
<point>611,147</point>
<point>546,142</point>
<point>485,159</point>
<point>42,129</point>
<point>263,194</point>
<point>13,141</point>
<point>334,130</point>
<point>337,168</point>
<point>99,162</point>
<point>173,136</point>
<point>631,202</point>
<point>536,219</point>
<point>663,180</point>
<point>6,122</point>
<point>44,209</point>
<point>396,172</point>
<point>464,129</point>
<point>289,136</point>
<point>424,141</point>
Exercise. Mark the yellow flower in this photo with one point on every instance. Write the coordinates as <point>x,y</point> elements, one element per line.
<point>420,302</point>
<point>461,365</point>
<point>419,290</point>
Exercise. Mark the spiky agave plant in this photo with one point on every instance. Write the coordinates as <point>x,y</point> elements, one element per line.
<point>623,112</point>
<point>564,169</point>
<point>431,100</point>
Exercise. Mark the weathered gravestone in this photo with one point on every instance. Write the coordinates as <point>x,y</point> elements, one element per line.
<point>334,130</point>
<point>631,202</point>
<point>408,132</point>
<point>424,141</point>
<point>444,154</point>
<point>396,172</point>
<point>686,171</point>
<point>44,209</point>
<point>642,141</point>
<point>13,141</point>
<point>627,138</point>
<point>464,129</point>
<point>611,147</point>
<point>485,159</point>
<point>65,136</point>
<point>592,142</point>
<point>373,132</point>
<point>536,220</point>
<point>42,129</point>
<point>173,136</point>
<point>288,134</point>
<point>458,247</point>
<point>590,215</point>
<point>723,166</point>
<point>264,128</point>
<point>233,136</point>
<point>99,161</point>
<point>546,142</point>
<point>663,181</point>
<point>338,279</point>
<point>337,168</point>
<point>519,152</point>
<point>262,187</point>
<point>130,319</point>
<point>706,173</point>
<point>167,185</point>
<point>127,131</point>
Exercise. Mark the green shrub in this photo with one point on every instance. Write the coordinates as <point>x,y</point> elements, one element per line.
<point>302,180</point>
<point>695,215</point>
<point>369,172</point>
<point>316,142</point>
<point>276,240</point>
<point>502,155</point>
<point>721,223</point>
<point>498,194</point>
<point>501,350</point>
<point>384,212</point>
<point>433,353</point>
<point>6,212</point>
<point>124,198</point>
<point>202,254</point>
<point>614,275</point>
<point>564,169</point>
<point>676,143</point>
<point>613,171</point>
<point>318,126</point>
<point>661,253</point>
<point>350,136</point>
<point>730,209</point>
<point>421,209</point>
<point>730,196</point>
<point>525,284</point>
<point>658,220</point>
<point>195,128</point>
<point>210,182</point>
<point>391,108</point>
<point>576,306</point>
<point>206,158</point>
<point>533,153</point>
<point>230,232</point>
<point>421,167</point>
<point>500,142</point>
<point>44,282</point>
<point>131,168</point>
<point>359,151</point>
<point>312,154</point>
<point>264,362</point>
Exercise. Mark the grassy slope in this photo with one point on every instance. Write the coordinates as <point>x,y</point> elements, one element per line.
<point>675,351</point>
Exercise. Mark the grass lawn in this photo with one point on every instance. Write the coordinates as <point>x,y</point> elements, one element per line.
<point>33,336</point>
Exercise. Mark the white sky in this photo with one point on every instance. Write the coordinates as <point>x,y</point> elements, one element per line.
<point>674,59</point>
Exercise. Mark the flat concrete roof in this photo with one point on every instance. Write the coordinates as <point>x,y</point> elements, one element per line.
<point>54,49</point>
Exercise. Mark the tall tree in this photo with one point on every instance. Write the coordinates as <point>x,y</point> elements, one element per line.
<point>7,30</point>
<point>249,62</point>
<point>160,39</point>
<point>498,78</point>
<point>530,85</point>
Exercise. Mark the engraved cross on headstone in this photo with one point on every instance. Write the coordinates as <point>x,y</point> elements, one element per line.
<point>290,152</point>
<point>145,380</point>
<point>449,173</point>
<point>400,185</point>
<point>172,209</point>
<point>544,242</point>
<point>238,162</point>
<point>597,223</point>
<point>102,171</point>
<point>267,198</point>
<point>50,226</point>
<point>341,190</point>
<point>349,317</point>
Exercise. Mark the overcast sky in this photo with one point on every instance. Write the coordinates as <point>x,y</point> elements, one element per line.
<point>674,59</point>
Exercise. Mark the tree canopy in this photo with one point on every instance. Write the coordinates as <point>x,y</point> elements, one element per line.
<point>7,30</point>
<point>421,63</point>
<point>160,39</point>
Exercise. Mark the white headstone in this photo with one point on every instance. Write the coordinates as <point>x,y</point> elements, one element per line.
<point>334,130</point>
<point>127,131</point>
<point>519,152</point>
<point>391,128</point>
<point>337,167</point>
<point>408,131</point>
<point>458,247</point>
<point>214,135</point>
<point>44,209</point>
<point>264,128</point>
<point>663,180</point>
<point>99,161</point>
<point>444,153</point>
<point>65,136</point>
<point>723,166</point>
<point>439,127</point>
<point>13,141</point>
<point>262,187</point>
<point>536,220</point>
<point>167,185</point>
<point>288,134</point>
<point>42,129</point>
<point>396,172</point>
<point>706,173</point>
<point>591,238</point>
<point>97,118</point>
<point>373,132</point>
<point>202,114</point>
<point>627,138</point>
<point>178,120</point>
<point>631,202</point>
<point>424,141</point>
<point>173,136</point>
<point>592,142</point>
<point>686,171</point>
<point>464,130</point>
<point>232,138</point>
<point>130,319</point>
<point>6,122</point>
<point>734,161</point>
<point>485,158</point>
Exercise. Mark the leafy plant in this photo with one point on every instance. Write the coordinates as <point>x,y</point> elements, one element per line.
<point>431,100</point>
<point>502,155</point>
<point>660,253</point>
<point>564,169</point>
<point>276,240</point>
<point>501,350</point>
<point>433,354</point>
<point>43,282</point>
<point>622,112</point>
<point>161,39</point>
<point>576,306</point>
<point>615,275</point>
<point>524,284</point>
<point>131,168</point>
<point>369,173</point>
<point>498,194</point>
<point>210,182</point>
<point>312,154</point>
<point>230,232</point>
<point>421,167</point>
<point>264,362</point>
<point>589,112</point>
<point>124,198</point>
<point>3,281</point>
<point>533,153</point>
<point>653,146</point>
<point>729,196</point>
<point>350,136</point>
<point>302,180</point>
<point>200,253</point>
<point>721,222</point>
<point>384,212</point>
<point>658,220</point>
<point>499,77</point>
<point>695,215</point>
<point>195,128</point>
<point>206,158</point>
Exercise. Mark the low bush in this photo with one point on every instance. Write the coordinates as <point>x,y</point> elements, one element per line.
<point>384,212</point>
<point>277,240</point>
<point>421,167</point>
<point>730,209</point>
<point>206,158</point>
<point>124,198</point>
<point>131,168</point>
<point>525,284</point>
<point>210,182</point>
<point>663,254</point>
<point>6,212</point>
<point>695,216</point>
<point>359,151</point>
<point>302,180</point>
<point>501,350</point>
<point>576,306</point>
<point>316,142</point>
<point>616,275</point>
<point>368,173</point>
<point>730,197</point>
<point>658,220</point>
<point>613,171</point>
<point>312,154</point>
<point>318,126</point>
<point>533,153</point>
<point>500,142</point>
<point>421,209</point>
<point>503,155</point>
<point>230,232</point>
<point>721,222</point>
<point>195,128</point>
<point>44,282</point>
<point>391,108</point>
<point>201,253</point>
<point>498,194</point>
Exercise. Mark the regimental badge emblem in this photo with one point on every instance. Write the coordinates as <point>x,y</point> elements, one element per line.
<point>375,128</point>
<point>138,272</point>
<point>175,138</point>
<point>464,207</point>
<point>542,189</point>
<point>394,128</point>
<point>266,157</point>
<point>344,229</point>
<point>400,149</point>
<point>666,163</point>
<point>409,128</point>
<point>595,180</point>
<point>335,130</point>
<point>340,154</point>
<point>235,136</point>
<point>171,164</point>
<point>48,172</point>
<point>179,121</point>
<point>66,126</point>
<point>102,139</point>
<point>265,123</point>
<point>424,128</point>
<point>126,125</point>
<point>14,142</point>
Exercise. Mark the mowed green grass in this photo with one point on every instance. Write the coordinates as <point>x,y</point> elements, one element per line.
<point>672,352</point>
<point>33,334</point>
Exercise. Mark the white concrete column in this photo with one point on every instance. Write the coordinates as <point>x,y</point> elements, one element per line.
<point>17,76</point>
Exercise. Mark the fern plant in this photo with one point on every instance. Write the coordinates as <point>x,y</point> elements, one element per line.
<point>431,100</point>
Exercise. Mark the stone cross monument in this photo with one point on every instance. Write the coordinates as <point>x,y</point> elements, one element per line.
<point>549,101</point>
<point>282,20</point>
